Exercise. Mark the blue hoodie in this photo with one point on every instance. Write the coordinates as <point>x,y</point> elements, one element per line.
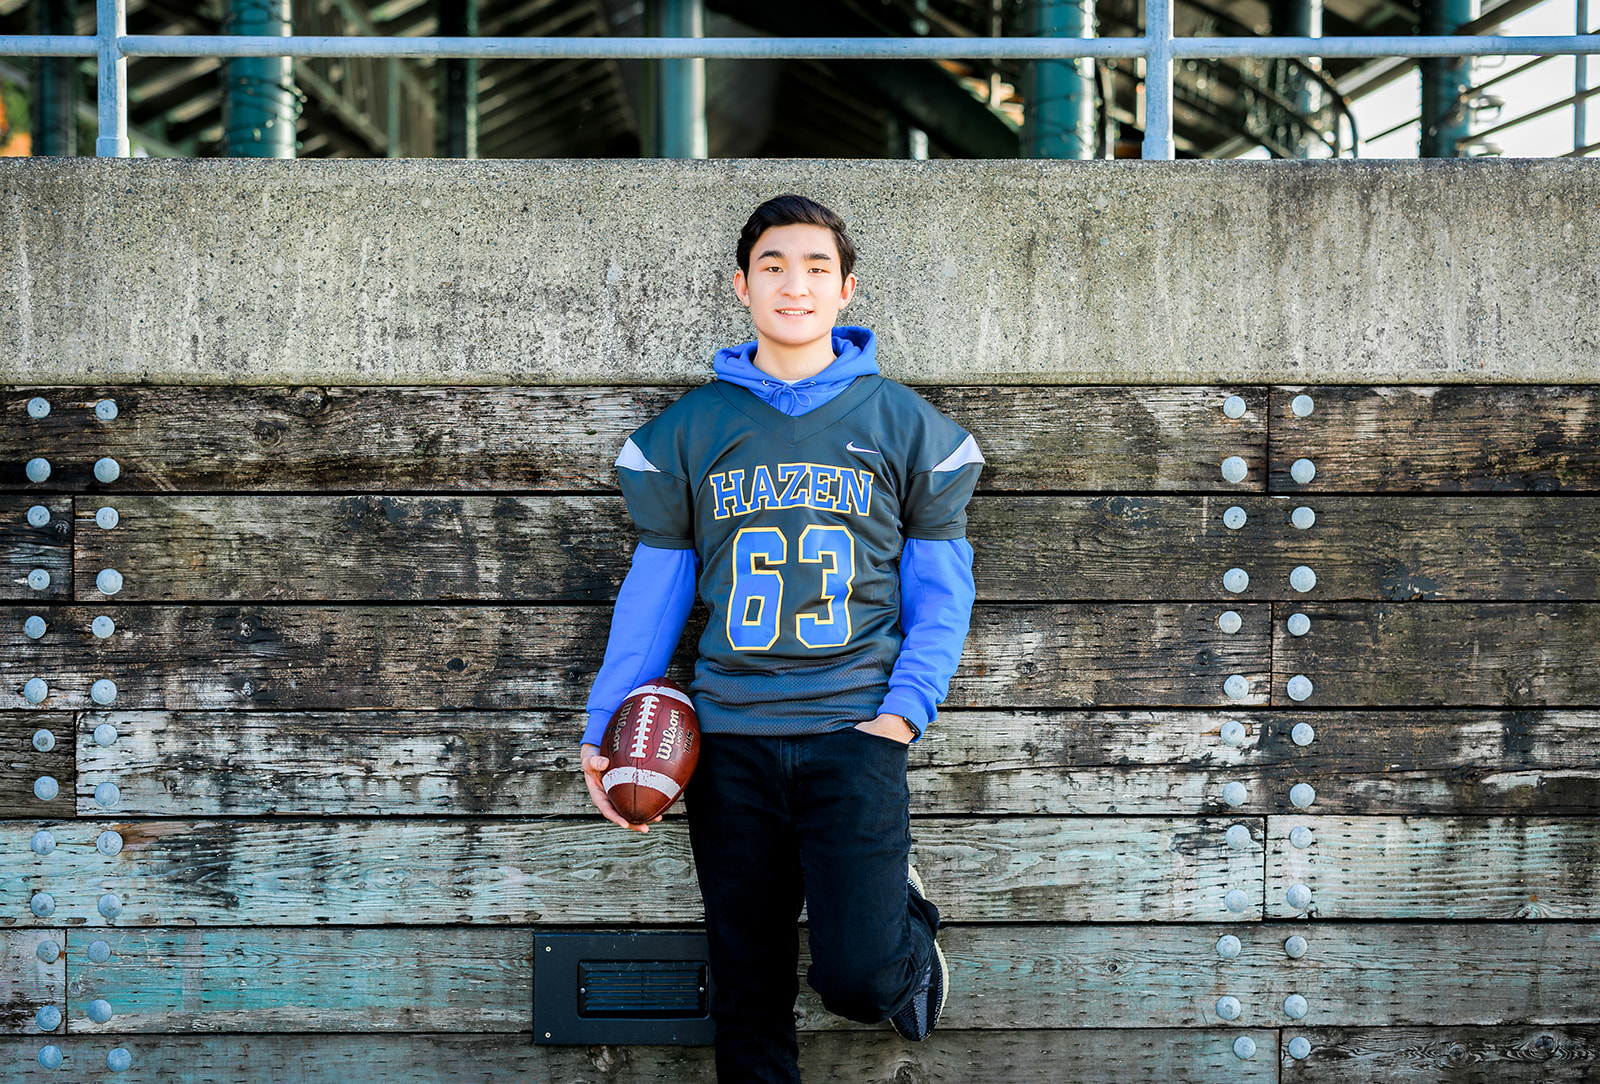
<point>936,588</point>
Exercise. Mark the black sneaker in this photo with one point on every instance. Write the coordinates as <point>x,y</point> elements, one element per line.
<point>916,1021</point>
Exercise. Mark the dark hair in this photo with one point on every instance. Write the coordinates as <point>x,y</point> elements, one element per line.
<point>789,210</point>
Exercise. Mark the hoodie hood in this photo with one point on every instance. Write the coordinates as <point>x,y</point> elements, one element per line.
<point>856,351</point>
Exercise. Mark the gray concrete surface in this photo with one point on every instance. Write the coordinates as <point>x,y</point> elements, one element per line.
<point>319,272</point>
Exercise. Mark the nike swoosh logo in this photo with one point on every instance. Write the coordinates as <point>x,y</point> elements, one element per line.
<point>851,446</point>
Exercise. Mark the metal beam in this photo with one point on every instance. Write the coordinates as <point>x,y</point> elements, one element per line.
<point>459,82</point>
<point>681,86</point>
<point>1060,93</point>
<point>1446,81</point>
<point>258,99</point>
<point>55,100</point>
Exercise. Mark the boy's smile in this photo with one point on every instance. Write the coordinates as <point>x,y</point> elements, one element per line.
<point>794,291</point>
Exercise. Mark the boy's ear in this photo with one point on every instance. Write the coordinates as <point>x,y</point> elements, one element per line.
<point>741,288</point>
<point>847,291</point>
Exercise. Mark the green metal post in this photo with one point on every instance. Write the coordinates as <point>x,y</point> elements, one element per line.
<point>459,19</point>
<point>681,127</point>
<point>1446,121</point>
<point>258,99</point>
<point>1059,94</point>
<point>55,99</point>
<point>1296,19</point>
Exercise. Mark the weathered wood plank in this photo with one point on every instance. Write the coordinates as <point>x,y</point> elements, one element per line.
<point>1425,1055</point>
<point>479,979</point>
<point>1441,654</point>
<point>210,548</point>
<point>876,1057</point>
<point>25,549</point>
<point>430,871</point>
<point>300,980</point>
<point>27,983</point>
<point>429,657</point>
<point>1436,867</point>
<point>1056,762</point>
<point>523,439</point>
<point>1439,439</point>
<point>22,764</point>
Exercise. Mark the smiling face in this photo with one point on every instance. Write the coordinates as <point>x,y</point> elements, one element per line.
<point>794,291</point>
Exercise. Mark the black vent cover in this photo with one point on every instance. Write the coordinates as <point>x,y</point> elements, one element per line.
<point>621,988</point>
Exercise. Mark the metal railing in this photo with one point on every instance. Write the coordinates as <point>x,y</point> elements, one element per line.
<point>112,46</point>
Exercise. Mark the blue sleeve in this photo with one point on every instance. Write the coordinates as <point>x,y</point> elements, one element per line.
<point>652,607</point>
<point>936,595</point>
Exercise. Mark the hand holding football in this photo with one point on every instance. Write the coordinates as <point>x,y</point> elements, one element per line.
<point>653,744</point>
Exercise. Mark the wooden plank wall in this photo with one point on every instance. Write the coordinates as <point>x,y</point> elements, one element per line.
<point>334,790</point>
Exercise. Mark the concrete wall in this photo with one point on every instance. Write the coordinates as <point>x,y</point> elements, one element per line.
<point>234,271</point>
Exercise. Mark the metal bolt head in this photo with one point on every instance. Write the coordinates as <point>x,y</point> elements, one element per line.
<point>1234,469</point>
<point>110,905</point>
<point>107,518</point>
<point>43,904</point>
<point>1300,836</point>
<point>1238,837</point>
<point>1244,1047</point>
<point>1300,687</point>
<point>50,1057</point>
<point>107,795</point>
<point>105,734</point>
<point>1234,732</point>
<point>1295,947</point>
<point>48,1018</point>
<point>99,952</point>
<point>119,1060</point>
<point>99,1010</point>
<point>48,951</point>
<point>1298,897</point>
<point>38,407</point>
<point>1303,734</point>
<point>1303,471</point>
<point>34,627</point>
<point>103,691</point>
<point>38,469</point>
<point>42,842</point>
<point>45,788</point>
<point>1235,794</point>
<point>105,410</point>
<point>38,516</point>
<point>109,843</point>
<point>1228,947</point>
<point>1302,406</point>
<point>1295,1007</point>
<point>43,740</point>
<point>109,581</point>
<point>1299,624</point>
<point>1228,1007</point>
<point>1299,1048</point>
<point>1233,406</point>
<point>1302,579</point>
<point>1301,795</point>
<point>1236,900</point>
<point>1234,518</point>
<point>35,690</point>
<point>102,626</point>
<point>107,470</point>
<point>1302,518</point>
<point>1237,686</point>
<point>1236,580</point>
<point>1230,622</point>
<point>38,579</point>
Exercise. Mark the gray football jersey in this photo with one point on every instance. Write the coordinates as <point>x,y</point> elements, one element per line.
<point>798,523</point>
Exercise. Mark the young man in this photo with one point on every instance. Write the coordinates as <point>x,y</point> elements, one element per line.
<point>821,512</point>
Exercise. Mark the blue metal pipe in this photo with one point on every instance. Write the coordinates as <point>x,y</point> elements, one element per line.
<point>1060,118</point>
<point>459,18</point>
<point>258,100</point>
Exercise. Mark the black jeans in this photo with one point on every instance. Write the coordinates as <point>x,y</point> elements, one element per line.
<point>820,820</point>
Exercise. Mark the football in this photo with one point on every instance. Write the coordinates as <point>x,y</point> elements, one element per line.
<point>653,744</point>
